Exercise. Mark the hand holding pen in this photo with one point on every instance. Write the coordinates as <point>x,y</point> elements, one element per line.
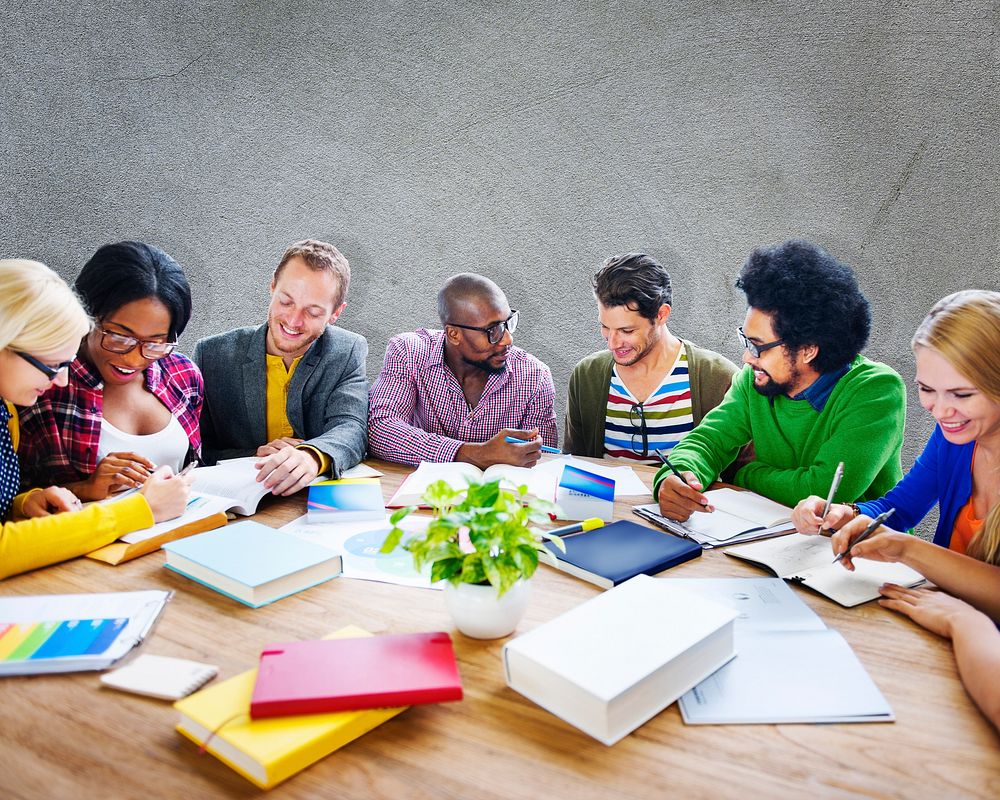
<point>843,537</point>
<point>678,499</point>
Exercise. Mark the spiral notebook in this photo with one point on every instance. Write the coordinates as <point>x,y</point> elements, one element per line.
<point>161,676</point>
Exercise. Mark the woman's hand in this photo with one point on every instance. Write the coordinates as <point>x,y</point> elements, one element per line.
<point>929,608</point>
<point>52,500</point>
<point>806,515</point>
<point>883,545</point>
<point>116,471</point>
<point>166,493</point>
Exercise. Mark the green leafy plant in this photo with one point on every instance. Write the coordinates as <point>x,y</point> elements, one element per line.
<point>502,545</point>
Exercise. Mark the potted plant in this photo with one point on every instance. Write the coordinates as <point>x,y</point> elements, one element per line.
<point>483,542</point>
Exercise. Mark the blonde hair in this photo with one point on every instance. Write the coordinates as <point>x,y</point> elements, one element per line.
<point>39,313</point>
<point>964,329</point>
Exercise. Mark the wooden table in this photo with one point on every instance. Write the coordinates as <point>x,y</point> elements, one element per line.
<point>65,737</point>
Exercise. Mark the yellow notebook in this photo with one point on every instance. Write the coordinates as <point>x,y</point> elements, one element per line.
<point>268,751</point>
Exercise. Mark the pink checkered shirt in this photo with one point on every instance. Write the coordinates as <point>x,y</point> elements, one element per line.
<point>417,411</point>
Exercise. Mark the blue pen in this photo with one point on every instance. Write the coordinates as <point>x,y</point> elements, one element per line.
<point>545,447</point>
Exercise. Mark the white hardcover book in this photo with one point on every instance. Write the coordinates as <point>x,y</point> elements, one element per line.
<point>614,662</point>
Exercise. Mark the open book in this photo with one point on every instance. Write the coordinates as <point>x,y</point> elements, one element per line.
<point>204,512</point>
<point>739,516</point>
<point>457,474</point>
<point>790,667</point>
<point>808,560</point>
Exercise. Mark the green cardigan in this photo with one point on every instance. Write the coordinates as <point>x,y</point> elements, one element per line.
<point>797,448</point>
<point>710,375</point>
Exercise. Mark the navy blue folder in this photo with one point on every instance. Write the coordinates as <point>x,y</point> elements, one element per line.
<point>611,555</point>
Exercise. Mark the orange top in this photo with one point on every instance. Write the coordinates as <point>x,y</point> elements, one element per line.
<point>966,525</point>
<point>965,530</point>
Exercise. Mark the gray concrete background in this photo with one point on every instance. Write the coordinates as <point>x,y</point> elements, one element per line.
<point>525,141</point>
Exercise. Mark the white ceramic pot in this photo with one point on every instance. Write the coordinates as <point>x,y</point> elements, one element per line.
<point>479,613</point>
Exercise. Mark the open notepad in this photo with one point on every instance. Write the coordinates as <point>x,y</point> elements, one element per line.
<point>808,560</point>
<point>739,516</point>
<point>789,666</point>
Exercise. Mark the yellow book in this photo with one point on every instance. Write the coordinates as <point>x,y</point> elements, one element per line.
<point>268,751</point>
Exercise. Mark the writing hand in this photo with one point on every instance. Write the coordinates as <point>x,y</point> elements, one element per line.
<point>679,499</point>
<point>807,520</point>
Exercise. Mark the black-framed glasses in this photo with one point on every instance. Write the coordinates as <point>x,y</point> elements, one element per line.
<point>637,416</point>
<point>50,372</point>
<point>122,343</point>
<point>494,332</point>
<point>756,349</point>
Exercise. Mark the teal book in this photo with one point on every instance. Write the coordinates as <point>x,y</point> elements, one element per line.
<point>252,563</point>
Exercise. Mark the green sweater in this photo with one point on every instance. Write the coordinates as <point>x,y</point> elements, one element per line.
<point>709,373</point>
<point>796,447</point>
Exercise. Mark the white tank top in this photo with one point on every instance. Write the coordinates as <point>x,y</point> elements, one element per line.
<point>168,446</point>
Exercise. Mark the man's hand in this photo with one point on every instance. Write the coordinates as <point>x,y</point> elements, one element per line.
<point>499,451</point>
<point>52,500</point>
<point>116,471</point>
<point>679,499</point>
<point>288,470</point>
<point>806,517</point>
<point>275,445</point>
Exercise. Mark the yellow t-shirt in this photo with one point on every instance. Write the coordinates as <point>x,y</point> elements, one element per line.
<point>276,393</point>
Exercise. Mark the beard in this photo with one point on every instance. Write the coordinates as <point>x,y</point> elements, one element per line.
<point>773,388</point>
<point>486,366</point>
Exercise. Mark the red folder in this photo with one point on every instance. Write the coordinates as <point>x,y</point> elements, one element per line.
<point>316,677</point>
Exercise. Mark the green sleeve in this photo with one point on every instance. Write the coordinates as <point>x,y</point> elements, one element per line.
<point>866,434</point>
<point>717,439</point>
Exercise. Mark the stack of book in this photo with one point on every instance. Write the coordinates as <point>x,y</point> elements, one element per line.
<point>308,699</point>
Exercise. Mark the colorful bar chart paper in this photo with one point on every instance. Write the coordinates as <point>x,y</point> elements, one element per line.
<point>57,638</point>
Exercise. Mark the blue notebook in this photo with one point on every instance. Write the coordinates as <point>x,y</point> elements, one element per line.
<point>251,562</point>
<point>611,555</point>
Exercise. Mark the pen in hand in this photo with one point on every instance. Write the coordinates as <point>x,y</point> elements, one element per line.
<point>676,472</point>
<point>838,474</point>
<point>872,527</point>
<point>545,448</point>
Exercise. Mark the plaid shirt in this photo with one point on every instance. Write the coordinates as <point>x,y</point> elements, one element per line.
<point>60,433</point>
<point>417,411</point>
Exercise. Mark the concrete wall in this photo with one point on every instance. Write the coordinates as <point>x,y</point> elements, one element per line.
<point>522,140</point>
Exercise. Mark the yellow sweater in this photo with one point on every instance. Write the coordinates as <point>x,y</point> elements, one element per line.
<point>30,543</point>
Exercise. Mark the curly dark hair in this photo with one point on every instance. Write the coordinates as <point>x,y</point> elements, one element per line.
<point>813,299</point>
<point>634,280</point>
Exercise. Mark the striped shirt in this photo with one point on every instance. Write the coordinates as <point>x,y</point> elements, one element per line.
<point>667,413</point>
<point>418,412</point>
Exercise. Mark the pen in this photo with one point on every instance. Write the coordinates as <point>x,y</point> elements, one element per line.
<point>676,472</point>
<point>578,527</point>
<point>867,531</point>
<point>135,489</point>
<point>837,475</point>
<point>545,447</point>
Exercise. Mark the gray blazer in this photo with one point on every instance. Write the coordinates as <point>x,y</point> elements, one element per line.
<point>327,402</point>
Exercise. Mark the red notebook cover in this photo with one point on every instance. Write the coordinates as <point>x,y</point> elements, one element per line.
<point>316,677</point>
